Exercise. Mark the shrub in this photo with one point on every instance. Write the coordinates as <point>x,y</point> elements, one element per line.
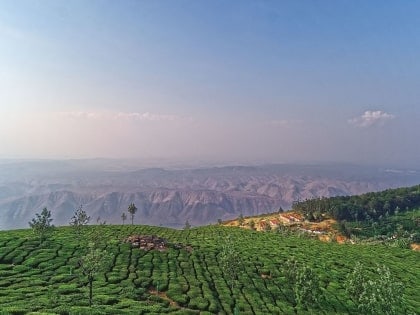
<point>106,299</point>
<point>68,289</point>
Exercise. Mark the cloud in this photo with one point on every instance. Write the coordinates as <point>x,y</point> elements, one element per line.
<point>371,118</point>
<point>82,114</point>
<point>147,116</point>
<point>133,116</point>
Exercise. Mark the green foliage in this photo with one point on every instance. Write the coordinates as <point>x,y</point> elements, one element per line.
<point>290,271</point>
<point>370,206</point>
<point>304,283</point>
<point>132,209</point>
<point>187,225</point>
<point>95,261</point>
<point>307,287</point>
<point>230,260</point>
<point>41,224</point>
<point>79,220</point>
<point>398,230</point>
<point>380,294</point>
<point>355,282</point>
<point>191,276</point>
<point>123,217</point>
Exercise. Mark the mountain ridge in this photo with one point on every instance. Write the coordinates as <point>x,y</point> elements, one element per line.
<point>169,197</point>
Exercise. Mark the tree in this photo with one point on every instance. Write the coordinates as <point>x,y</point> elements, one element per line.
<point>123,217</point>
<point>304,283</point>
<point>98,231</point>
<point>230,260</point>
<point>187,225</point>
<point>378,294</point>
<point>241,220</point>
<point>290,270</point>
<point>41,224</point>
<point>355,281</point>
<point>95,261</point>
<point>78,220</point>
<point>307,288</point>
<point>132,209</point>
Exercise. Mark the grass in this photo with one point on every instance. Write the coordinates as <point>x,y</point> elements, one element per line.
<point>47,280</point>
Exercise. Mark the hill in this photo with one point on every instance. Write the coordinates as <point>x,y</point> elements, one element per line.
<point>171,196</point>
<point>185,274</point>
<point>391,217</point>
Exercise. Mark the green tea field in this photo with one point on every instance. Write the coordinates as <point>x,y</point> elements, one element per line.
<point>186,277</point>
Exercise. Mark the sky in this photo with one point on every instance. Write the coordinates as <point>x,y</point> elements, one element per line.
<point>235,81</point>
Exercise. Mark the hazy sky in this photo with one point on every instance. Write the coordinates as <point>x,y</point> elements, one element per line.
<point>268,81</point>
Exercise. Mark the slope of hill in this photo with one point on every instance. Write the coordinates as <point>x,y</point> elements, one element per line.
<point>170,197</point>
<point>187,277</point>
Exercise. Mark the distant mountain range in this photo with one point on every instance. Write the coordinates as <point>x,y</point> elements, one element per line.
<point>169,197</point>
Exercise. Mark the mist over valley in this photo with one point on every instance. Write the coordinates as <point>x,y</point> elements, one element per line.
<point>170,196</point>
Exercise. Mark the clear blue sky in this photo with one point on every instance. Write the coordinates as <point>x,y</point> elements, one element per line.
<point>269,81</point>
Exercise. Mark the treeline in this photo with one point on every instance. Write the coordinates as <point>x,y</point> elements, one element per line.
<point>370,206</point>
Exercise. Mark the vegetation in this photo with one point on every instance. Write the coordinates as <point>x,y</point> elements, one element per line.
<point>230,261</point>
<point>123,217</point>
<point>41,224</point>
<point>187,225</point>
<point>79,220</point>
<point>132,209</point>
<point>189,276</point>
<point>241,220</point>
<point>95,261</point>
<point>380,293</point>
<point>366,207</point>
<point>400,229</point>
<point>304,283</point>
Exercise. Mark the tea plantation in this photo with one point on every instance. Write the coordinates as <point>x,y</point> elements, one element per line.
<point>186,279</point>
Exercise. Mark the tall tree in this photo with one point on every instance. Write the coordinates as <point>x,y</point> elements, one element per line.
<point>41,224</point>
<point>95,261</point>
<point>79,220</point>
<point>307,288</point>
<point>187,225</point>
<point>230,259</point>
<point>123,217</point>
<point>379,293</point>
<point>304,283</point>
<point>132,209</point>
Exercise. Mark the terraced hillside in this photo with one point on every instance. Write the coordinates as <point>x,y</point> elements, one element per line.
<point>187,276</point>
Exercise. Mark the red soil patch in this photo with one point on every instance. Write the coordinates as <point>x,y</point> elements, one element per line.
<point>324,238</point>
<point>163,296</point>
<point>415,247</point>
<point>341,239</point>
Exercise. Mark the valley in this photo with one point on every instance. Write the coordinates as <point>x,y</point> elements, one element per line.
<point>169,197</point>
